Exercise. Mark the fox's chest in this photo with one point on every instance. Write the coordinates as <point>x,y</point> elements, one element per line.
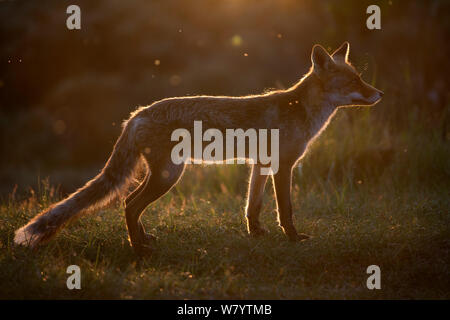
<point>297,136</point>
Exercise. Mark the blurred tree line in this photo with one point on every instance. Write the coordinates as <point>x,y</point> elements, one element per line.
<point>64,93</point>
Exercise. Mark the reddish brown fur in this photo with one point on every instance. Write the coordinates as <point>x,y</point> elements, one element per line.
<point>300,113</point>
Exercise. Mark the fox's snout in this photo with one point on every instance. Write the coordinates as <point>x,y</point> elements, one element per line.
<point>376,97</point>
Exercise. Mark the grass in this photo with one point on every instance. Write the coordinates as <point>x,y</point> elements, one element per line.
<point>389,211</point>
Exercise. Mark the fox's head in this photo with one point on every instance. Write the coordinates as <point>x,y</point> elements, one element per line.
<point>341,84</point>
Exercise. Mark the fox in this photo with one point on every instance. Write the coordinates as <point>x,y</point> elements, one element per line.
<point>300,113</point>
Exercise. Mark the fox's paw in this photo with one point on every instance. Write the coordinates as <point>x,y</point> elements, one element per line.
<point>257,232</point>
<point>149,238</point>
<point>142,250</point>
<point>299,237</point>
<point>144,246</point>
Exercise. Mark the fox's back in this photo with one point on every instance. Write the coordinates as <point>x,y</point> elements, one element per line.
<point>219,112</point>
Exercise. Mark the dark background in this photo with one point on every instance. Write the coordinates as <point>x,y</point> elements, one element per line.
<point>64,93</point>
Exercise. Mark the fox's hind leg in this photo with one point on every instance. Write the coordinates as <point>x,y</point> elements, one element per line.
<point>254,201</point>
<point>164,175</point>
<point>138,190</point>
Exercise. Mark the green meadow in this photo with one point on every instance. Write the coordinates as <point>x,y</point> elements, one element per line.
<point>364,204</point>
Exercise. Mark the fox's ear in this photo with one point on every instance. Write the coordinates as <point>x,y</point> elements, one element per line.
<point>341,54</point>
<point>320,58</point>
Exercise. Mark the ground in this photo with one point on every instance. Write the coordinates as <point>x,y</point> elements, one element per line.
<point>362,205</point>
<point>203,250</point>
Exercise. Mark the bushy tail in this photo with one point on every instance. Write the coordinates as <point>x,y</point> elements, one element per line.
<point>96,193</point>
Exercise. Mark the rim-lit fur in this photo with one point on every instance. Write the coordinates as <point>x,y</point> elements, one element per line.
<point>96,193</point>
<point>300,113</point>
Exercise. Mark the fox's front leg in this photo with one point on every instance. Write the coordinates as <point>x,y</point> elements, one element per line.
<point>254,200</point>
<point>282,182</point>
